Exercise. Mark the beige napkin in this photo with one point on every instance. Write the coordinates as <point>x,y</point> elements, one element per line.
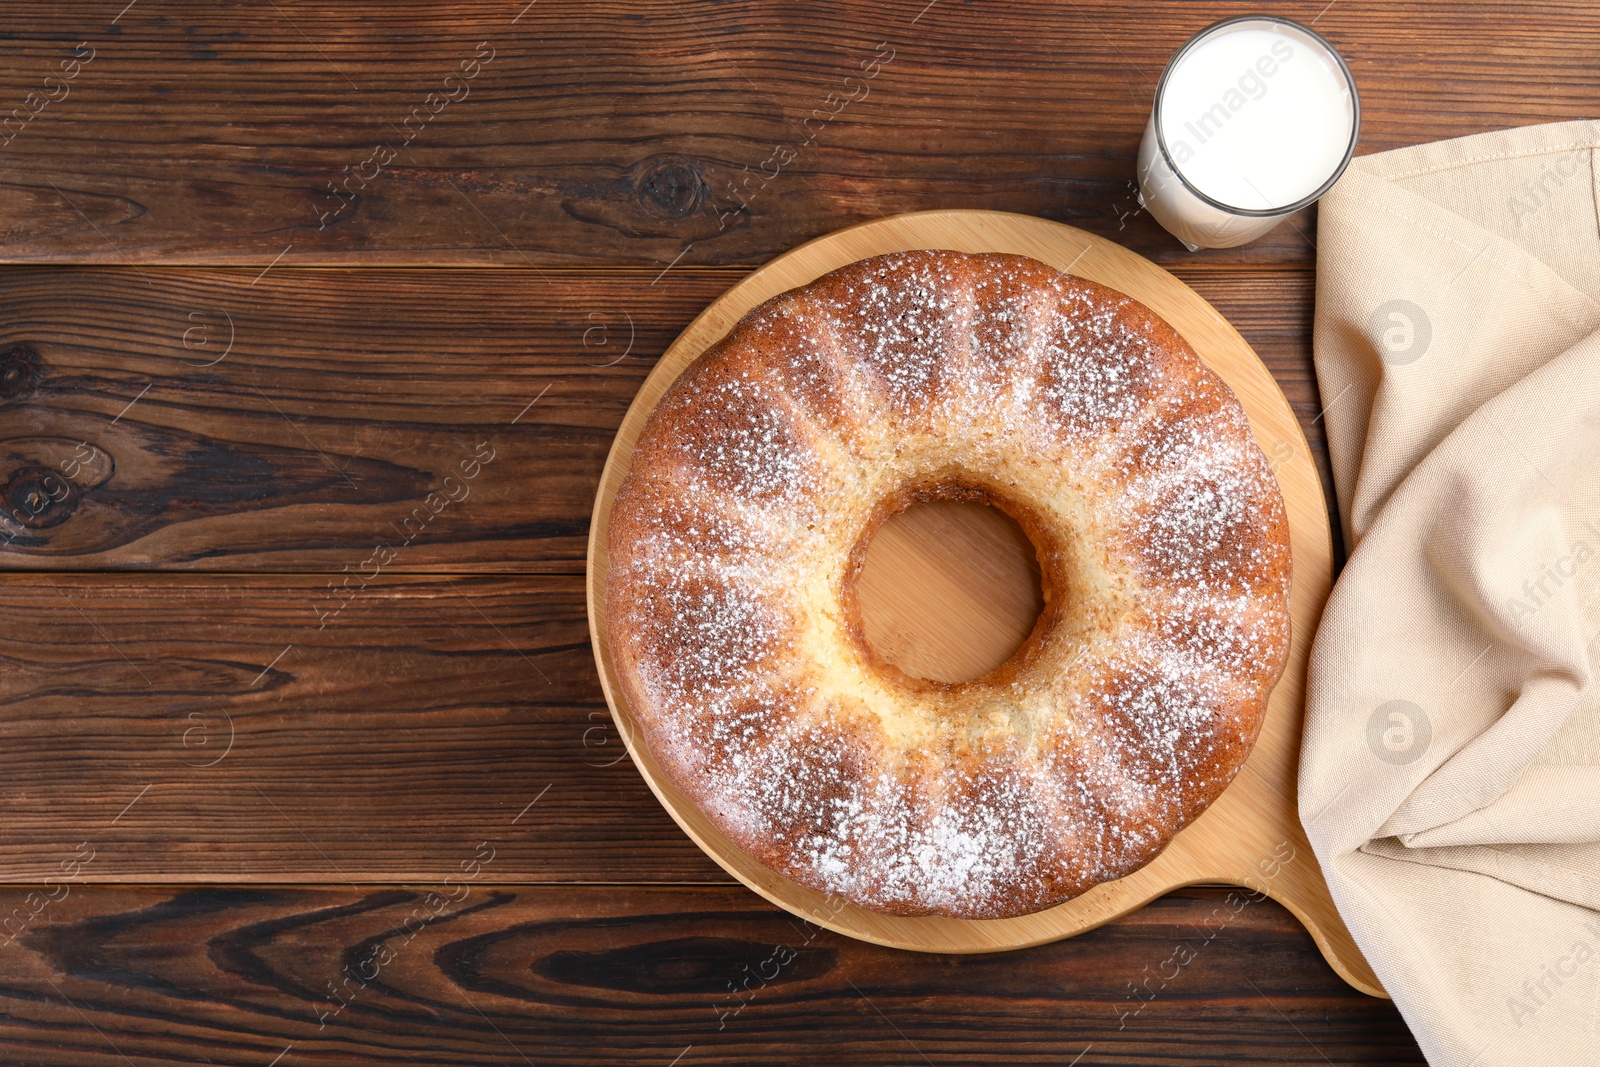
<point>1450,778</point>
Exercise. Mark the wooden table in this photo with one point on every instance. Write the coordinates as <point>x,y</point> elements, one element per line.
<point>317,324</point>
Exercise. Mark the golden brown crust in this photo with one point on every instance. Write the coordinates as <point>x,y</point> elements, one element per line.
<point>757,482</point>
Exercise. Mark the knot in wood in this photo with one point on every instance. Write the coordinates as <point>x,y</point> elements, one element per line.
<point>38,497</point>
<point>671,187</point>
<point>19,371</point>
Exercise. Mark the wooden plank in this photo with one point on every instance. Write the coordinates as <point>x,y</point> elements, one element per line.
<point>211,419</point>
<point>344,401</point>
<point>695,133</point>
<point>255,728</point>
<point>609,975</point>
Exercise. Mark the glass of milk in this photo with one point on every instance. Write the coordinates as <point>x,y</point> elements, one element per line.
<point>1254,119</point>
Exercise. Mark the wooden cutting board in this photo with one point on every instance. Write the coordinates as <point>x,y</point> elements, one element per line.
<point>1251,837</point>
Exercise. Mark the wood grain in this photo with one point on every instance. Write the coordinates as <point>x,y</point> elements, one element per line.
<point>425,716</point>
<point>695,132</point>
<point>478,974</point>
<point>948,590</point>
<point>348,396</point>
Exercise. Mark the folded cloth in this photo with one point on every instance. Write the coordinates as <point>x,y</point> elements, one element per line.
<point>1450,775</point>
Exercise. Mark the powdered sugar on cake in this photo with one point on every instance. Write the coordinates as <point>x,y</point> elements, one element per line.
<point>758,473</point>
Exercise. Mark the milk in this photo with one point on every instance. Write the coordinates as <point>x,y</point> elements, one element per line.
<point>1258,117</point>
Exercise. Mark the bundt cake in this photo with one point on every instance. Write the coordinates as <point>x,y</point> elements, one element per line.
<point>760,478</point>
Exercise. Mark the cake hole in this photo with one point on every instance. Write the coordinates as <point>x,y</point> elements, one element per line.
<point>948,590</point>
